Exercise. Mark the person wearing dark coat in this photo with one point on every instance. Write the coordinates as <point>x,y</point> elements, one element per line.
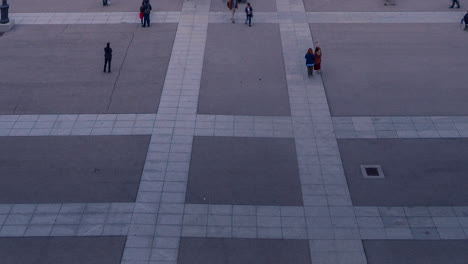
<point>310,61</point>
<point>249,14</point>
<point>107,57</point>
<point>465,19</point>
<point>146,14</point>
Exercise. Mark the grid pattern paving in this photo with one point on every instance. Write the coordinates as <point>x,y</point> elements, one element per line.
<point>159,217</point>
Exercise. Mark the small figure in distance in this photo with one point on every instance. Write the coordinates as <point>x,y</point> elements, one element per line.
<point>142,10</point>
<point>232,5</point>
<point>389,2</point>
<point>249,14</point>
<point>318,58</point>
<point>310,61</point>
<point>107,57</point>
<point>147,13</point>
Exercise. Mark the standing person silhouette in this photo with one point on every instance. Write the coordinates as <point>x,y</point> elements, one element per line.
<point>107,57</point>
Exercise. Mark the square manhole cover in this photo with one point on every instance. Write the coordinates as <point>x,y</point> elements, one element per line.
<point>372,171</point>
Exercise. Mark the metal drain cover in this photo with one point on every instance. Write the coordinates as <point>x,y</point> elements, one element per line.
<point>372,171</point>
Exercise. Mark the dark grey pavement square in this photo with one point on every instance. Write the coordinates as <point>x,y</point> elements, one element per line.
<point>258,251</point>
<point>243,71</point>
<point>53,6</point>
<point>61,250</point>
<point>416,251</point>
<point>56,69</point>
<point>71,169</point>
<point>375,6</point>
<point>257,5</point>
<point>236,170</point>
<point>418,172</point>
<point>388,69</point>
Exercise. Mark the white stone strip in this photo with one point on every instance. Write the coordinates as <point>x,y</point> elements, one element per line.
<point>342,224</point>
<point>287,13</point>
<point>149,124</point>
<point>401,127</point>
<point>321,173</point>
<point>164,181</point>
<point>244,126</point>
<point>385,17</point>
<point>91,18</point>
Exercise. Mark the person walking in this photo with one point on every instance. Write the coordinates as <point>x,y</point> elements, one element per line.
<point>249,14</point>
<point>107,57</point>
<point>146,14</point>
<point>232,5</point>
<point>455,2</point>
<point>465,19</point>
<point>142,10</point>
<point>105,2</point>
<point>310,61</point>
<point>318,58</point>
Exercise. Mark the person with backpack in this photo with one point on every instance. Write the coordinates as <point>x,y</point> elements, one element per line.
<point>249,14</point>
<point>107,57</point>
<point>146,14</point>
<point>310,61</point>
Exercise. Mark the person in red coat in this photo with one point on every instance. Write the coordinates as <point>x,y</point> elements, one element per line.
<point>318,58</point>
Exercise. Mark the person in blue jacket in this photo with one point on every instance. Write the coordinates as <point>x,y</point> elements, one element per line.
<point>310,62</point>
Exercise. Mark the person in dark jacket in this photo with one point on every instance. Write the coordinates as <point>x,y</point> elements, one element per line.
<point>465,19</point>
<point>249,14</point>
<point>310,61</point>
<point>146,14</point>
<point>107,57</point>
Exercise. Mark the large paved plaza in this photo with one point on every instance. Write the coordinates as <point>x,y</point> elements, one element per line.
<point>209,144</point>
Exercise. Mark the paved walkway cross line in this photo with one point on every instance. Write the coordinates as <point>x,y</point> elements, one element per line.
<point>158,219</point>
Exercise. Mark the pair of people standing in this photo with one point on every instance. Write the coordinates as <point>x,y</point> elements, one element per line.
<point>232,5</point>
<point>314,61</point>
<point>145,12</point>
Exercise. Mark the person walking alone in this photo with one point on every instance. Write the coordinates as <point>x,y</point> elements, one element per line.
<point>107,57</point>
<point>318,58</point>
<point>232,5</point>
<point>465,19</point>
<point>455,2</point>
<point>310,61</point>
<point>248,14</point>
<point>146,14</point>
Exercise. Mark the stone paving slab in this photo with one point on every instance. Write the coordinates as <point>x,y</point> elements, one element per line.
<point>234,170</point>
<point>261,251</point>
<point>401,127</point>
<point>416,251</point>
<point>71,169</point>
<point>243,71</point>
<point>36,6</point>
<point>58,57</point>
<point>367,70</point>
<point>373,6</point>
<point>418,172</point>
<point>59,250</point>
<point>257,5</point>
